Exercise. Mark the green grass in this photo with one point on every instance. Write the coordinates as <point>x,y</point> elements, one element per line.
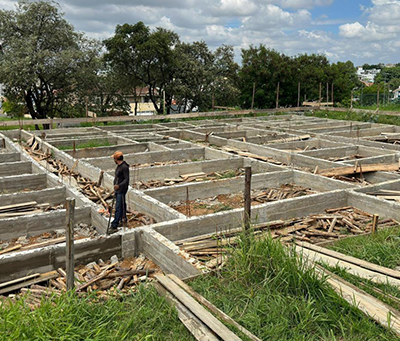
<point>369,286</point>
<point>381,248</point>
<point>90,144</point>
<point>353,116</point>
<point>271,293</point>
<point>140,316</point>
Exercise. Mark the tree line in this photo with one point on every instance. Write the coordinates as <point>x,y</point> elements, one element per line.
<point>51,70</point>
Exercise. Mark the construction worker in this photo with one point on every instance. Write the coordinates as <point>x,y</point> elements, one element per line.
<point>121,183</point>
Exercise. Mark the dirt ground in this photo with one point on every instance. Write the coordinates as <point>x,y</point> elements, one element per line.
<point>225,202</point>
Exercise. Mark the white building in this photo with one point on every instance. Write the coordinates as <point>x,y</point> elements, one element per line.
<point>367,75</point>
<point>396,93</point>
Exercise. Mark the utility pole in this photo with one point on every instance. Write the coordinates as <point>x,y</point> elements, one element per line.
<point>320,93</point>
<point>277,96</point>
<point>327,93</point>
<point>252,98</point>
<point>298,95</point>
<point>163,102</point>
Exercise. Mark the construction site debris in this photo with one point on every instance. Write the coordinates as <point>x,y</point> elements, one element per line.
<point>210,249</point>
<point>223,202</point>
<point>45,239</point>
<point>21,209</point>
<point>186,178</point>
<point>105,279</point>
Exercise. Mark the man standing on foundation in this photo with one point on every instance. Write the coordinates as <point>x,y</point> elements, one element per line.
<point>121,183</point>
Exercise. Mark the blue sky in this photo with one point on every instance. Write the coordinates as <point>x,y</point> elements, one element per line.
<point>363,31</point>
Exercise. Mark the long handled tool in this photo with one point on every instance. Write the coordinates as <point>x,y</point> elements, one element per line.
<point>110,211</point>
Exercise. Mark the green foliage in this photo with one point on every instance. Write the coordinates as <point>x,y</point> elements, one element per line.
<point>272,293</point>
<point>391,76</point>
<point>42,57</point>
<point>188,73</point>
<point>13,108</point>
<point>380,248</point>
<point>140,316</point>
<point>90,144</point>
<point>266,67</point>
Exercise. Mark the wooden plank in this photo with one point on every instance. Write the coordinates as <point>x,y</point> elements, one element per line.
<point>353,269</point>
<point>14,207</point>
<point>41,278</point>
<point>207,318</point>
<point>362,263</point>
<point>365,169</point>
<point>10,249</point>
<point>380,312</point>
<point>198,329</point>
<point>213,308</point>
<point>6,284</point>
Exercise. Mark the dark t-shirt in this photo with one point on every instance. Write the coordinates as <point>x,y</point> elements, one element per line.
<point>122,177</point>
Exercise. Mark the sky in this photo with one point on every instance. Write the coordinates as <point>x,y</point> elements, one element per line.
<point>363,31</point>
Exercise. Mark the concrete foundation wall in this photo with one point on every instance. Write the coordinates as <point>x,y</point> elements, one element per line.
<point>35,224</point>
<point>164,253</point>
<point>9,157</point>
<point>174,171</point>
<point>108,151</point>
<point>15,168</point>
<point>209,189</point>
<point>19,264</point>
<point>53,196</point>
<point>22,182</point>
<point>150,157</point>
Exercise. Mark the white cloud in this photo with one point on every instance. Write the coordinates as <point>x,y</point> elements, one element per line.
<point>285,25</point>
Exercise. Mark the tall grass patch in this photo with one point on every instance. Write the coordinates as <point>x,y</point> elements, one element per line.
<point>270,291</point>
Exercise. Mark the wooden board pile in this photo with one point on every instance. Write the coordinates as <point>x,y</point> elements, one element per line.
<point>284,191</point>
<point>346,158</point>
<point>386,194</point>
<point>105,279</point>
<point>236,151</point>
<point>31,207</point>
<point>191,307</point>
<point>393,138</point>
<point>25,243</point>
<point>93,190</point>
<point>191,177</point>
<point>162,163</point>
<point>211,249</point>
<point>223,202</point>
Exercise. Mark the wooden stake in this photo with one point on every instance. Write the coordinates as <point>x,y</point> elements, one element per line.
<point>327,93</point>
<point>320,93</point>
<point>252,98</point>
<point>375,223</point>
<point>69,259</point>
<point>277,96</point>
<point>298,95</point>
<point>377,99</point>
<point>332,93</point>
<point>74,148</point>
<point>4,142</point>
<point>213,101</point>
<point>247,198</point>
<point>187,202</point>
<point>100,178</point>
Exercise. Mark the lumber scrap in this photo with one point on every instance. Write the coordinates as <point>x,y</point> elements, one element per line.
<point>41,278</point>
<point>360,262</point>
<point>380,312</point>
<point>340,171</point>
<point>198,329</point>
<point>202,314</point>
<point>212,307</point>
<point>10,249</point>
<point>349,267</point>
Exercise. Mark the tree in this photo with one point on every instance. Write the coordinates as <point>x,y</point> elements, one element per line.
<point>42,57</point>
<point>145,57</point>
